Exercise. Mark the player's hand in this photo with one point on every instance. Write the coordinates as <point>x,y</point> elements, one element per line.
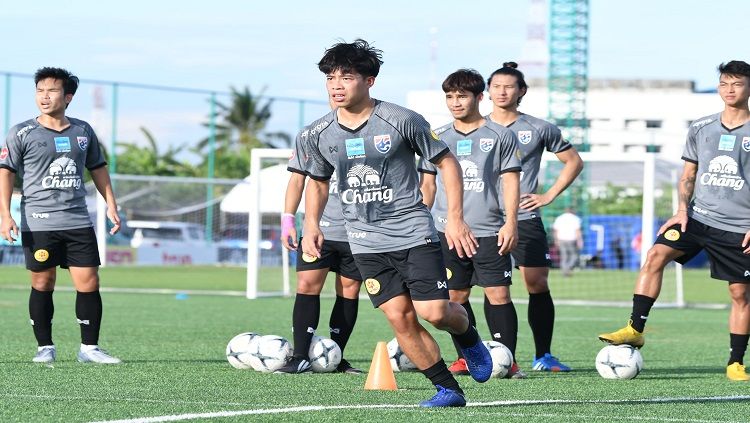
<point>460,237</point>
<point>680,218</point>
<point>9,230</point>
<point>288,232</point>
<point>746,243</point>
<point>312,241</point>
<point>507,238</point>
<point>533,201</point>
<point>114,218</point>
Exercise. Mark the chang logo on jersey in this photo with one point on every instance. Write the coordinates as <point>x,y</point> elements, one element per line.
<point>333,185</point>
<point>365,186</point>
<point>722,172</point>
<point>472,179</point>
<point>382,143</point>
<point>62,173</point>
<point>524,137</point>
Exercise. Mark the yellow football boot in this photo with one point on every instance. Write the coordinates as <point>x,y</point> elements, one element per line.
<point>736,371</point>
<point>626,335</point>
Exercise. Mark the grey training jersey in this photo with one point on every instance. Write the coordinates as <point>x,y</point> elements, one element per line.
<point>332,220</point>
<point>483,154</point>
<point>721,197</point>
<point>50,164</point>
<point>534,136</point>
<point>378,181</point>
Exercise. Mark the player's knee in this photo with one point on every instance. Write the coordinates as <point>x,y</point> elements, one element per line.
<point>656,259</point>
<point>43,281</point>
<point>308,286</point>
<point>436,314</point>
<point>498,294</point>
<point>738,292</point>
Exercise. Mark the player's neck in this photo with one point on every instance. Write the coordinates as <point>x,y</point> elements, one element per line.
<point>468,124</point>
<point>357,114</point>
<point>504,116</point>
<point>58,122</point>
<point>733,117</point>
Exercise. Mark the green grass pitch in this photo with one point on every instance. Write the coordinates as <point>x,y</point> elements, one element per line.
<point>174,364</point>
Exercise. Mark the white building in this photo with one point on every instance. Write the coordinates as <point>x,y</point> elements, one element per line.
<point>625,115</point>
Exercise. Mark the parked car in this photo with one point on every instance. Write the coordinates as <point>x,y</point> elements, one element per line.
<point>156,234</point>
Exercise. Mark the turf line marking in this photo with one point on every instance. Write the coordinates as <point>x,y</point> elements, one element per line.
<point>218,414</point>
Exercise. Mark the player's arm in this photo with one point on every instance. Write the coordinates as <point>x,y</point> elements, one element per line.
<point>685,189</point>
<point>572,167</point>
<point>103,184</point>
<point>8,227</point>
<point>294,190</point>
<point>316,197</point>
<point>457,232</point>
<point>428,186</point>
<point>507,237</point>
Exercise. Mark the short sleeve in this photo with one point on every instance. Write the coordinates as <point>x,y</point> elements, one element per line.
<point>423,140</point>
<point>94,154</point>
<point>297,161</point>
<point>508,153</point>
<point>553,139</point>
<point>690,152</point>
<point>11,156</point>
<point>317,166</point>
<point>425,166</point>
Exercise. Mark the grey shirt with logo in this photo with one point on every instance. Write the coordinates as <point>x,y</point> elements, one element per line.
<point>378,182</point>
<point>50,164</point>
<point>721,198</point>
<point>484,154</point>
<point>534,136</point>
<point>332,219</point>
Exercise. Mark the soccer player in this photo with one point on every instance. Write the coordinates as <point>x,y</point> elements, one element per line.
<point>49,153</point>
<point>713,214</point>
<point>370,145</point>
<point>311,271</point>
<point>507,87</point>
<point>485,151</point>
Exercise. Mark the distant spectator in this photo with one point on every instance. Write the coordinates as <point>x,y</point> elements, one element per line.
<point>567,231</point>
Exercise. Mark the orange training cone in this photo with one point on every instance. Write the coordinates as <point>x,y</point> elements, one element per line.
<point>381,375</point>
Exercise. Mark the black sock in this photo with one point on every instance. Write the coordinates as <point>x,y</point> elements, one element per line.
<point>343,318</point>
<point>542,321</point>
<point>472,323</point>
<point>41,310</point>
<point>737,347</point>
<point>468,338</point>
<point>641,307</point>
<point>89,314</point>
<point>304,322</point>
<point>503,322</point>
<point>439,375</point>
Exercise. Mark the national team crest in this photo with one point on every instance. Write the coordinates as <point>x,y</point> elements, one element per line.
<point>746,144</point>
<point>83,142</point>
<point>486,144</point>
<point>524,137</point>
<point>383,143</point>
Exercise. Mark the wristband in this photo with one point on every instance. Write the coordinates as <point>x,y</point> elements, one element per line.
<point>287,224</point>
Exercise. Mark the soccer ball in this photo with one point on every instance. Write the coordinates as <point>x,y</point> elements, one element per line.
<point>269,353</point>
<point>399,361</point>
<point>619,362</point>
<point>502,358</point>
<point>324,354</point>
<point>238,350</point>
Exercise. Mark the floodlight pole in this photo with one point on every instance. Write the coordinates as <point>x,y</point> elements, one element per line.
<point>211,160</point>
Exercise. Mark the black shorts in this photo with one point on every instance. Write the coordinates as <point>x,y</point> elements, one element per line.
<point>486,268</point>
<point>71,247</point>
<point>418,271</point>
<point>532,249</point>
<point>335,256</point>
<point>724,249</point>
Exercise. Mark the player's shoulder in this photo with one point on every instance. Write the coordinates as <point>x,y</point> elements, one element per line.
<point>498,130</point>
<point>396,115</point>
<point>80,123</point>
<point>317,126</point>
<point>540,125</point>
<point>705,121</point>
<point>443,129</point>
<point>21,129</point>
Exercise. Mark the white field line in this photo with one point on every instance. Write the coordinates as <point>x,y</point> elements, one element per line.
<point>302,409</point>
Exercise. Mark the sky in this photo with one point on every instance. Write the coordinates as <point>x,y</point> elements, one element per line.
<point>273,47</point>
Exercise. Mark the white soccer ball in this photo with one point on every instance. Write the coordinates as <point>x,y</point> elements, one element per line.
<point>238,350</point>
<point>619,362</point>
<point>502,358</point>
<point>324,354</point>
<point>269,353</point>
<point>399,361</point>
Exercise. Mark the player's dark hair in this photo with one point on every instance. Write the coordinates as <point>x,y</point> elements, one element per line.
<point>467,80</point>
<point>510,68</point>
<point>735,68</point>
<point>70,81</point>
<point>357,57</point>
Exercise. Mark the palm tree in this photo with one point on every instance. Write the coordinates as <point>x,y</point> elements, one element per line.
<point>149,160</point>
